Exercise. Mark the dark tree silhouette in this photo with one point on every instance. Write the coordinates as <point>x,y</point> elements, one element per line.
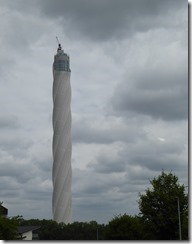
<point>159,208</point>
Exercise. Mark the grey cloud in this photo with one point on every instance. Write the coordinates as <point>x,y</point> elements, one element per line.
<point>33,193</point>
<point>91,209</point>
<point>164,105</point>
<point>147,155</point>
<point>39,195</point>
<point>108,167</point>
<point>108,164</point>
<point>102,20</point>
<point>157,162</point>
<point>155,156</point>
<point>8,121</point>
<point>82,132</point>
<point>21,172</point>
<point>153,94</point>
<point>91,180</point>
<point>45,164</point>
<point>96,195</point>
<point>106,130</point>
<point>111,194</point>
<point>14,142</point>
<point>23,156</point>
<point>9,193</point>
<point>22,28</point>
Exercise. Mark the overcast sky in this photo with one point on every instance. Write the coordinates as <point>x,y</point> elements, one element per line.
<point>129,61</point>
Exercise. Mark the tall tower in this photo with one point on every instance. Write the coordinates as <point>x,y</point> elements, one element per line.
<point>62,172</point>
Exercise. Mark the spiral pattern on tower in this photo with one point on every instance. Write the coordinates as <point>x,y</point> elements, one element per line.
<point>62,147</point>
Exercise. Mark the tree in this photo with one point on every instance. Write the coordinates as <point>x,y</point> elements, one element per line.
<point>8,227</point>
<point>51,230</point>
<point>83,231</point>
<point>159,208</point>
<point>124,227</point>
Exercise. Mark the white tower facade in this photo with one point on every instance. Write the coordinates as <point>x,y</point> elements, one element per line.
<point>62,147</point>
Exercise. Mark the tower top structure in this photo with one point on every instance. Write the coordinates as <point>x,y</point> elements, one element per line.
<point>61,59</point>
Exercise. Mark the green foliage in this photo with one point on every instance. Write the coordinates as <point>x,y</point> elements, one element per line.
<point>8,228</point>
<point>51,230</point>
<point>159,208</point>
<point>124,227</point>
<point>82,231</point>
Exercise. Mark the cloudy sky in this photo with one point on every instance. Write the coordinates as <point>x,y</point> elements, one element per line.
<point>129,103</point>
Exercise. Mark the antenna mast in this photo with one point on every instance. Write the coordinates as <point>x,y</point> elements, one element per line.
<point>59,45</point>
<point>57,40</point>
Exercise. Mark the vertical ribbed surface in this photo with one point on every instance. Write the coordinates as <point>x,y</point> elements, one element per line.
<point>62,173</point>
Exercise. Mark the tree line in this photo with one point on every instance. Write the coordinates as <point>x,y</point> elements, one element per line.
<point>163,216</point>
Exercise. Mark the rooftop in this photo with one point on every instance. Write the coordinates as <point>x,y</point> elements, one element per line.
<point>24,229</point>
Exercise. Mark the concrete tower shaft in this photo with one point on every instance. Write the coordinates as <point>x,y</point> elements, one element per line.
<point>62,147</point>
